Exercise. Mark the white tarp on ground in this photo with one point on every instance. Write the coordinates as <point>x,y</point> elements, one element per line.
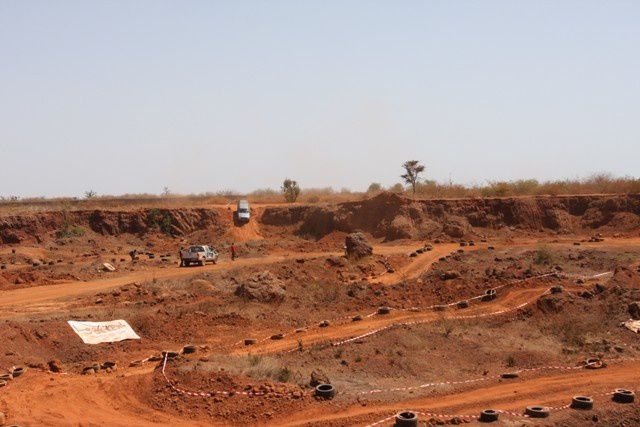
<point>99,332</point>
<point>633,325</point>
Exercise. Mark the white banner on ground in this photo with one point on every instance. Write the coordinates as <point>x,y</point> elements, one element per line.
<point>99,332</point>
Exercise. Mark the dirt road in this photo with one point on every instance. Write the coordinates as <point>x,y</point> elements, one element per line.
<point>551,390</point>
<point>52,297</point>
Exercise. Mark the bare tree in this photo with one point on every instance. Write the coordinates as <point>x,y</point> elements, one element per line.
<point>166,192</point>
<point>90,194</point>
<point>291,190</point>
<point>414,169</point>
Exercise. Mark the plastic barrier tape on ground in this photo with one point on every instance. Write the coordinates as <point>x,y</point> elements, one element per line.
<point>428,308</point>
<point>468,381</point>
<point>473,417</point>
<point>473,380</point>
<point>217,392</point>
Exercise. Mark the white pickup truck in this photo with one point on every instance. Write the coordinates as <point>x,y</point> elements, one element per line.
<point>198,254</point>
<point>243,213</point>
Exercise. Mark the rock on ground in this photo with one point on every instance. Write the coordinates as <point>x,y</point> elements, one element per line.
<point>264,287</point>
<point>357,246</point>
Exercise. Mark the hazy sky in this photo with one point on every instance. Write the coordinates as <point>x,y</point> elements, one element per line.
<point>127,97</point>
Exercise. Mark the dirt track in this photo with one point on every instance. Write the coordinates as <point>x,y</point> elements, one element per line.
<point>49,399</point>
<point>49,298</point>
<point>551,390</point>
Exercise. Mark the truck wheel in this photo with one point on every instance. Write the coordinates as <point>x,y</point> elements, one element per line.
<point>203,263</point>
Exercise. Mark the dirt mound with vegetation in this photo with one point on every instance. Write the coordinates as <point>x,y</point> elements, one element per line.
<point>391,216</point>
<point>29,228</point>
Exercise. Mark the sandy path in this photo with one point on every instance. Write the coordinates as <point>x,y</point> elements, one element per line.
<point>551,390</point>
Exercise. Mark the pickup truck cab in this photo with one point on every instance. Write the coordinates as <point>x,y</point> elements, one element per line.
<point>198,254</point>
<point>243,212</point>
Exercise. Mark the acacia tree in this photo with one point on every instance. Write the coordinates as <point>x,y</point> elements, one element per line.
<point>413,169</point>
<point>291,190</point>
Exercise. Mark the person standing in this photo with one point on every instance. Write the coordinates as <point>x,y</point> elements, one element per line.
<point>233,251</point>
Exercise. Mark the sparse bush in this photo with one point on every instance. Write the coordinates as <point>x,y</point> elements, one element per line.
<point>284,375</point>
<point>543,256</point>
<point>69,231</point>
<point>90,194</point>
<point>511,361</point>
<point>374,188</point>
<point>161,220</point>
<point>290,190</point>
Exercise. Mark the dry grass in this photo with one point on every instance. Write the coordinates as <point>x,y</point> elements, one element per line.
<point>594,184</point>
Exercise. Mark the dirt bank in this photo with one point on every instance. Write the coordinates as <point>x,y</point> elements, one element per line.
<point>391,216</point>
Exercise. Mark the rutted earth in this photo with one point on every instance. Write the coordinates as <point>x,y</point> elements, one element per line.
<point>294,295</point>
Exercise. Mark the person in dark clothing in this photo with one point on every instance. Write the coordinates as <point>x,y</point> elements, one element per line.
<point>233,251</point>
<point>133,254</point>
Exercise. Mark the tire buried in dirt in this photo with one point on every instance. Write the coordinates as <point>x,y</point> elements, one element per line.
<point>621,395</point>
<point>581,402</point>
<point>509,375</point>
<point>189,349</point>
<point>463,304</point>
<point>406,419</point>
<point>489,416</point>
<point>384,310</point>
<point>537,411</point>
<point>325,391</point>
<point>489,295</point>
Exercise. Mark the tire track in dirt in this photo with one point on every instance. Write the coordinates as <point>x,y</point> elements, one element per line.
<point>550,390</point>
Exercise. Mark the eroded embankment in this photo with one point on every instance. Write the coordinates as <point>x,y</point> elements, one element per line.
<point>35,227</point>
<point>387,216</point>
<point>391,216</point>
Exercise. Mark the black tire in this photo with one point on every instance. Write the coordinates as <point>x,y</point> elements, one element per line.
<point>249,341</point>
<point>108,365</point>
<point>17,371</point>
<point>489,416</point>
<point>509,375</point>
<point>202,263</point>
<point>406,419</point>
<point>325,391</point>
<point>621,395</point>
<point>277,336</point>
<point>463,304</point>
<point>189,349</point>
<point>170,354</point>
<point>594,363</point>
<point>581,402</point>
<point>556,289</point>
<point>384,310</point>
<point>489,295</point>
<point>356,318</point>
<point>537,411</point>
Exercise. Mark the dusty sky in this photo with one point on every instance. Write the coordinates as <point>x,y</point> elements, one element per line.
<point>128,97</point>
